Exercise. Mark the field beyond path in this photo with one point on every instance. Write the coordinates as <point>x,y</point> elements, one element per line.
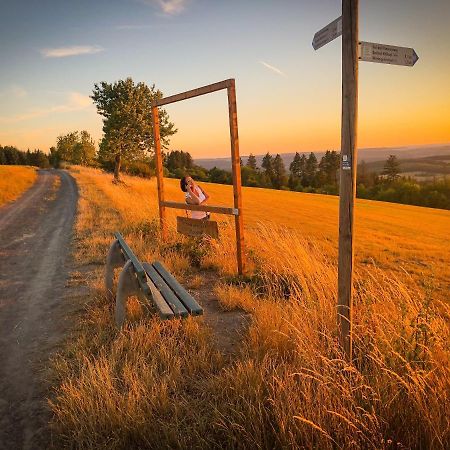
<point>35,234</point>
<point>14,181</point>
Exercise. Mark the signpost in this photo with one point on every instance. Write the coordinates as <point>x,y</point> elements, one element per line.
<point>387,54</point>
<point>328,33</point>
<point>352,52</point>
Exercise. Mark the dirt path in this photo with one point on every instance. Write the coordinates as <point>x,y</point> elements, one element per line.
<point>228,327</point>
<point>35,236</point>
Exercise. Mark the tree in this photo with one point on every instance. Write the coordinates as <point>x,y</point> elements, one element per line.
<point>65,145</point>
<point>267,165</point>
<point>177,159</point>
<point>296,169</point>
<point>309,176</point>
<point>75,147</point>
<point>391,168</point>
<point>86,148</point>
<point>54,158</point>
<point>328,168</point>
<point>251,161</point>
<point>279,172</point>
<point>127,126</point>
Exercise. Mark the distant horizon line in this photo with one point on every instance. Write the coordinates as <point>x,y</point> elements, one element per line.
<point>403,147</point>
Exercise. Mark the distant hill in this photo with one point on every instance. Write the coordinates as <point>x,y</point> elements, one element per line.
<point>418,167</point>
<point>369,155</point>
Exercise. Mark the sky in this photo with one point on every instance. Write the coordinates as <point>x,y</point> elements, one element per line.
<point>288,95</point>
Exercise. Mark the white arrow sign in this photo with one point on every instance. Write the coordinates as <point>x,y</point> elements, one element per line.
<point>327,34</point>
<point>387,54</point>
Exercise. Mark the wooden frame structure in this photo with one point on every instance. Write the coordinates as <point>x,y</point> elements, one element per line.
<point>236,211</point>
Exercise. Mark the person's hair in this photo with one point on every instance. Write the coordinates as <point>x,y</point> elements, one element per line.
<point>183,183</point>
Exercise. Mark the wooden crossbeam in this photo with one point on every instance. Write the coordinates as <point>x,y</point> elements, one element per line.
<point>205,208</point>
<point>194,93</point>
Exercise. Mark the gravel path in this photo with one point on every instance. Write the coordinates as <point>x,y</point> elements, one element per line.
<point>35,241</point>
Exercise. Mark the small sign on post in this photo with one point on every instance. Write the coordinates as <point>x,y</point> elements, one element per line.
<point>387,54</point>
<point>327,34</point>
<point>197,227</point>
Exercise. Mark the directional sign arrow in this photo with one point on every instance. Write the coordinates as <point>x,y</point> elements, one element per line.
<point>387,54</point>
<point>328,33</point>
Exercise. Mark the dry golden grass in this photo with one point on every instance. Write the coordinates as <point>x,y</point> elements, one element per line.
<point>14,181</point>
<point>164,385</point>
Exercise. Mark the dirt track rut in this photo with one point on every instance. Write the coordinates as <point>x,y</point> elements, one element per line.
<point>35,240</point>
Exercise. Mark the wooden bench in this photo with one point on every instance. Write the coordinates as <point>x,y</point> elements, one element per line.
<point>152,283</point>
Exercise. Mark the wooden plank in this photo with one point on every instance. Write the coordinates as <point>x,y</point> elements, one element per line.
<point>236,170</point>
<point>128,253</point>
<point>206,208</point>
<point>348,170</point>
<point>161,306</point>
<point>189,302</point>
<point>193,93</point>
<point>159,171</point>
<point>172,300</point>
<point>197,227</point>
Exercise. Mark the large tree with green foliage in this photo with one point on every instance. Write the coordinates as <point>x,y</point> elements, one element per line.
<point>126,108</point>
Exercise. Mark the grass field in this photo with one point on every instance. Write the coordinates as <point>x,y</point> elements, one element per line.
<point>394,237</point>
<point>165,385</point>
<point>14,181</point>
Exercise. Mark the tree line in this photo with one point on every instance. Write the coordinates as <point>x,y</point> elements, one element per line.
<point>308,174</point>
<point>305,173</point>
<point>13,156</point>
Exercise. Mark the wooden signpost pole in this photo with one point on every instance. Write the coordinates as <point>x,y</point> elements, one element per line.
<point>347,189</point>
<point>159,171</point>
<point>236,169</point>
<point>352,52</point>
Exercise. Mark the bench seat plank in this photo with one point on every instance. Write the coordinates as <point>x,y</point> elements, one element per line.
<point>189,302</point>
<point>159,303</point>
<point>177,307</point>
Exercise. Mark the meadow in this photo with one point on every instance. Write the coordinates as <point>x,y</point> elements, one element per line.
<point>286,385</point>
<point>14,181</point>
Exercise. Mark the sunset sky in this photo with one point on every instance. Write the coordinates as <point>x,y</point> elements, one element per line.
<point>288,95</point>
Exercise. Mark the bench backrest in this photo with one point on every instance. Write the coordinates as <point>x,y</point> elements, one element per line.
<point>129,255</point>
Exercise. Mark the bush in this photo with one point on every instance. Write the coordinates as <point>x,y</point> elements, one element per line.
<point>139,169</point>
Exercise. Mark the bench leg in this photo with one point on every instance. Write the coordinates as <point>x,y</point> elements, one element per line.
<point>114,259</point>
<point>128,285</point>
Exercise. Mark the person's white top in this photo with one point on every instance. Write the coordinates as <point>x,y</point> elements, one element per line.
<point>202,198</point>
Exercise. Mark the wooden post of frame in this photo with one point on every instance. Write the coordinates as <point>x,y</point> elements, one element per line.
<point>347,189</point>
<point>159,171</point>
<point>236,170</point>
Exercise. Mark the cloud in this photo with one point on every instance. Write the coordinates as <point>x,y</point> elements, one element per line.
<point>62,52</point>
<point>131,27</point>
<point>14,91</point>
<point>168,7</point>
<point>272,68</point>
<point>75,102</point>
